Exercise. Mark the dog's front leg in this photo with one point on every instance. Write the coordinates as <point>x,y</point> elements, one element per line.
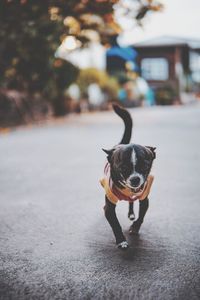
<point>131,214</point>
<point>135,227</point>
<point>111,217</point>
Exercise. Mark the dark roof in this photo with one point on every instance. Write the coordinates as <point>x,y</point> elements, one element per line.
<point>164,41</point>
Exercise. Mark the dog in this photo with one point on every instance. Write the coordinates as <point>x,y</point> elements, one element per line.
<point>127,177</point>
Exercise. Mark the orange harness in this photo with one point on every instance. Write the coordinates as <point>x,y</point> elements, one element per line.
<point>114,193</point>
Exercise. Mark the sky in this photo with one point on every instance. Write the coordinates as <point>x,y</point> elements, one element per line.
<point>179,18</point>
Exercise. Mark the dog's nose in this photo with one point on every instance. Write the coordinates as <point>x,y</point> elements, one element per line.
<point>135,181</point>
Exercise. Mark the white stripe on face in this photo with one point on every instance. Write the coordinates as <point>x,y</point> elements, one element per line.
<point>133,158</point>
<point>134,161</point>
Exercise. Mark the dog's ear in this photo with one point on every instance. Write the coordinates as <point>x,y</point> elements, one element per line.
<point>152,149</point>
<point>109,153</point>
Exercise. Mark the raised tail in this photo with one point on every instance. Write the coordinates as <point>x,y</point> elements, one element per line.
<point>128,123</point>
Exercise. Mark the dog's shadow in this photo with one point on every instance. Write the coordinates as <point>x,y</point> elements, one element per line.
<point>146,249</point>
<point>136,244</point>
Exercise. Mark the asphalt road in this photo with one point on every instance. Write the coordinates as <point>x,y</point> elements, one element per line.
<point>54,240</point>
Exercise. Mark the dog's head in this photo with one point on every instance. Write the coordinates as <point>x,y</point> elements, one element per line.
<point>130,165</point>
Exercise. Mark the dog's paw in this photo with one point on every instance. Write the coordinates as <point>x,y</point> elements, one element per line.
<point>123,245</point>
<point>135,227</point>
<point>131,216</point>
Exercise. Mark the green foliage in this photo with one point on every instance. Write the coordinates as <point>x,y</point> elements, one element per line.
<point>106,83</point>
<point>166,95</point>
<point>111,88</point>
<point>91,75</point>
<point>28,43</point>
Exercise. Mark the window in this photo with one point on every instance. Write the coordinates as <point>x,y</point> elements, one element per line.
<point>195,66</point>
<point>155,68</point>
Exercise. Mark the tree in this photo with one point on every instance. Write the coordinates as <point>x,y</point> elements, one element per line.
<point>32,30</point>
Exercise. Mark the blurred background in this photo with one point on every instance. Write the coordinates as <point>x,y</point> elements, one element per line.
<point>69,56</point>
<point>62,62</point>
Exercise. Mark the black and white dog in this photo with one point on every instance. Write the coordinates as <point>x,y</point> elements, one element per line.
<point>127,177</point>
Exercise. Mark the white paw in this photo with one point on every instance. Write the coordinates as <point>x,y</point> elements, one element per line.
<point>123,245</point>
<point>132,217</point>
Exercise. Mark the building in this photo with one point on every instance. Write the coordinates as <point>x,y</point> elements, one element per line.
<point>170,65</point>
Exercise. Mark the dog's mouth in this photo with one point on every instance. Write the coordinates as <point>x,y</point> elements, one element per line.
<point>137,189</point>
<point>132,188</point>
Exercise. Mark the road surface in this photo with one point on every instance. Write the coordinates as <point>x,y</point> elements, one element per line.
<point>54,240</point>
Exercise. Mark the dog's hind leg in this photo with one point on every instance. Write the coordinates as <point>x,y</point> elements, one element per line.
<point>131,214</point>
<point>135,227</point>
<point>111,217</point>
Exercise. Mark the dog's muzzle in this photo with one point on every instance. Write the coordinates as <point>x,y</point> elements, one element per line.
<point>136,182</point>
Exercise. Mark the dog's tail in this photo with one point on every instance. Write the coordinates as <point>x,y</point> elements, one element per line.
<point>128,123</point>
